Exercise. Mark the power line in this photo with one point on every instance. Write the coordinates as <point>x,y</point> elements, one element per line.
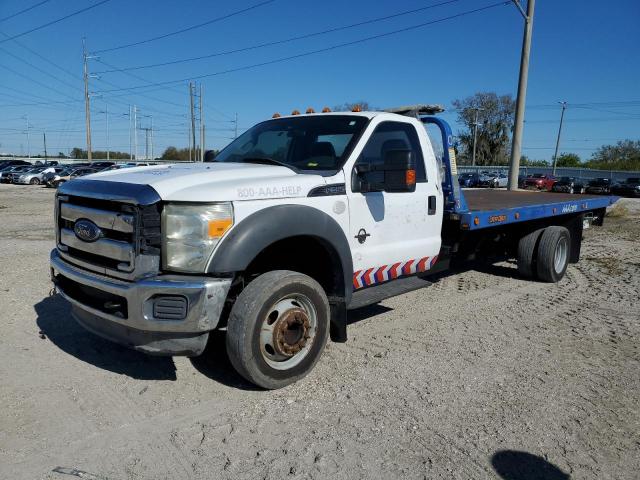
<point>280,42</point>
<point>24,11</point>
<point>320,50</point>
<point>193,27</point>
<point>48,24</point>
<point>33,52</point>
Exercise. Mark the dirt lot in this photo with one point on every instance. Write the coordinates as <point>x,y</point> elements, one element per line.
<point>483,375</point>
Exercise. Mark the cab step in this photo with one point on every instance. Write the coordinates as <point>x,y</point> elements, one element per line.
<point>377,293</point>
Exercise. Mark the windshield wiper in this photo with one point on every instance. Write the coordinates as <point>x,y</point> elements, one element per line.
<point>266,161</point>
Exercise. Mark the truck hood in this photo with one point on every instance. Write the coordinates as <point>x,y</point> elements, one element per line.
<point>197,182</point>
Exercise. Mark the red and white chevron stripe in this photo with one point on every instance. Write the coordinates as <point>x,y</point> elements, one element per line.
<point>375,275</point>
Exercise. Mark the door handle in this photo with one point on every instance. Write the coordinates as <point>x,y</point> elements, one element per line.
<point>432,205</point>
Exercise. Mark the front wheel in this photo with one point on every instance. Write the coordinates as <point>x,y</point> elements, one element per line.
<point>278,328</point>
<point>34,181</point>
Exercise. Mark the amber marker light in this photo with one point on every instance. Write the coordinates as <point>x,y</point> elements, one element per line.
<point>217,228</point>
<point>326,110</point>
<point>310,110</point>
<point>295,112</point>
<point>276,115</point>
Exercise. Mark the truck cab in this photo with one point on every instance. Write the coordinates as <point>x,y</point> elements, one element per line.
<point>297,220</point>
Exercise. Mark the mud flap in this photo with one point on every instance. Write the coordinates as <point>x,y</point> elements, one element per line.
<point>338,321</point>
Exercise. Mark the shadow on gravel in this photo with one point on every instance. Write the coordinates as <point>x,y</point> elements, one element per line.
<point>55,321</point>
<point>363,313</point>
<point>515,465</point>
<point>214,363</point>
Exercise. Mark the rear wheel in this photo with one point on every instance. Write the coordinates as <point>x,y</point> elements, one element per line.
<point>527,254</point>
<point>278,328</point>
<point>553,254</point>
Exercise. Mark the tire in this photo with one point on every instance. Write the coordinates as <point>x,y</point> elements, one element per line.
<point>554,251</point>
<point>260,344</point>
<point>527,254</point>
<point>571,190</point>
<point>34,181</point>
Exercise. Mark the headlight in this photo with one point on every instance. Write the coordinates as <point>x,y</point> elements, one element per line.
<point>191,232</point>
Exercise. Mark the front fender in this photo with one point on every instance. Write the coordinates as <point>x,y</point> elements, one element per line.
<point>265,227</point>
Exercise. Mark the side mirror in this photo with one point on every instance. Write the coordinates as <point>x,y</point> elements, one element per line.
<point>399,171</point>
<point>209,156</point>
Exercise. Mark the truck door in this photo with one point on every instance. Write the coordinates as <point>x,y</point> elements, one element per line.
<point>394,234</point>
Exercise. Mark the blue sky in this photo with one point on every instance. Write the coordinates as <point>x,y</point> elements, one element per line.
<point>584,52</point>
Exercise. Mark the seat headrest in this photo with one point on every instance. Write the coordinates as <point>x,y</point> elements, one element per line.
<point>323,149</point>
<point>394,144</point>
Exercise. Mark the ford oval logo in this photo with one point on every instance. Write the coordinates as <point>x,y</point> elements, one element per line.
<point>87,231</point>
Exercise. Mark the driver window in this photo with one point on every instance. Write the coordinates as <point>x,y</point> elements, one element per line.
<point>392,136</point>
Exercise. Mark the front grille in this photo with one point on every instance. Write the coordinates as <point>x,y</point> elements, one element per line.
<point>128,236</point>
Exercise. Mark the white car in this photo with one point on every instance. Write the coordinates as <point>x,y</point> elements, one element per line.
<point>35,175</point>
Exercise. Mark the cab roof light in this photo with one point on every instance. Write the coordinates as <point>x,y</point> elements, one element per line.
<point>310,110</point>
<point>356,108</point>
<point>295,112</point>
<point>276,115</point>
<point>326,110</point>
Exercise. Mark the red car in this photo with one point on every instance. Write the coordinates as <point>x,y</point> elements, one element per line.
<point>539,181</point>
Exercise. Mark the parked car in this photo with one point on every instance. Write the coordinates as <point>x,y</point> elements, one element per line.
<point>468,179</point>
<point>12,163</point>
<point>493,180</point>
<point>539,181</point>
<point>569,185</point>
<point>7,175</point>
<point>67,175</point>
<point>600,186</point>
<point>35,175</point>
<point>629,188</point>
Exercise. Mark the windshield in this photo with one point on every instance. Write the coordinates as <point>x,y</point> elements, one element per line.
<point>319,143</point>
<point>633,180</point>
<point>599,181</point>
<point>565,179</point>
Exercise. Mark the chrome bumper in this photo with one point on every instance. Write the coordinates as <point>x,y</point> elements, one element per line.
<point>205,298</point>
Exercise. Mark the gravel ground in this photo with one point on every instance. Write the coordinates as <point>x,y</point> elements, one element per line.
<point>483,375</point>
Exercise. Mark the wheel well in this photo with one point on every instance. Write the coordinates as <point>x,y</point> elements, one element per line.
<point>305,254</point>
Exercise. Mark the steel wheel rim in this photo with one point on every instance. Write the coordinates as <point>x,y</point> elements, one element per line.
<point>560,255</point>
<point>288,331</point>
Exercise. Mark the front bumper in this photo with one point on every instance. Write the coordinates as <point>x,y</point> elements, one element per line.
<point>124,312</point>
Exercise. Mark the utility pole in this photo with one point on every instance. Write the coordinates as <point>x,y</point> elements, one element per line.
<point>44,136</point>
<point>151,116</point>
<point>236,126</point>
<point>201,127</point>
<point>516,145</point>
<point>106,114</point>
<point>87,109</point>
<point>135,132</point>
<point>193,122</point>
<point>475,135</point>
<point>555,155</point>
<point>130,134</point>
<point>26,119</point>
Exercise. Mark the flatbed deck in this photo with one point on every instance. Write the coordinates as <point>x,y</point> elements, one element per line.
<point>488,207</point>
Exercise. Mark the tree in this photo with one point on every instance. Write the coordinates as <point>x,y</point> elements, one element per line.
<point>78,153</point>
<point>495,122</point>
<point>348,107</point>
<point>624,155</point>
<point>173,153</point>
<point>570,160</point>
<point>527,162</point>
